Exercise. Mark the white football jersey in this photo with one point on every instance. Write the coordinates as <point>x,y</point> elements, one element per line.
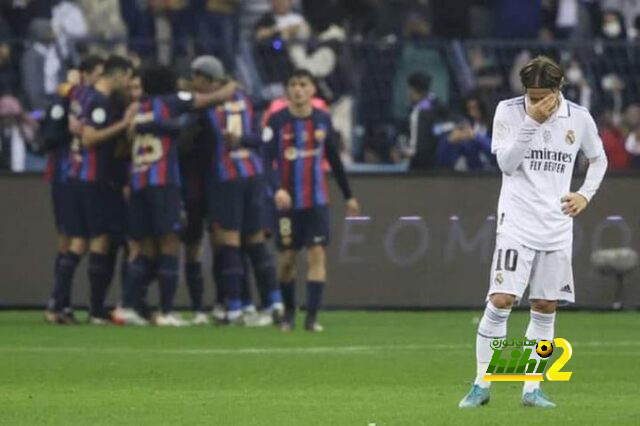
<point>530,207</point>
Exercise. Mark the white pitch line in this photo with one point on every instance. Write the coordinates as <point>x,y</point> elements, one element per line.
<point>224,351</point>
<point>331,350</point>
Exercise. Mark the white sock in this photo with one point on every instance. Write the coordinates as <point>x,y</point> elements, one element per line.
<point>493,324</point>
<point>541,327</point>
<point>233,315</point>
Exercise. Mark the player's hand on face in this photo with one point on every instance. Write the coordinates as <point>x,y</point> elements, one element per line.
<point>542,110</point>
<point>353,207</point>
<point>573,203</point>
<point>283,200</point>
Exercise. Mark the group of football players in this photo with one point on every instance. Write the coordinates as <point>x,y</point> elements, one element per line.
<point>140,167</point>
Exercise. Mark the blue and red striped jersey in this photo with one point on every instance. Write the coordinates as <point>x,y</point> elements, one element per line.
<point>298,146</point>
<point>235,116</point>
<point>155,148</point>
<point>58,165</point>
<point>92,164</point>
<point>54,132</point>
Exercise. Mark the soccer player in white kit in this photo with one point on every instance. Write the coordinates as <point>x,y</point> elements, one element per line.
<point>536,138</point>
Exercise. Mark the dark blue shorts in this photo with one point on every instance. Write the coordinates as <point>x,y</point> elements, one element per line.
<point>60,199</point>
<point>154,212</point>
<point>89,210</point>
<point>303,228</point>
<point>237,205</point>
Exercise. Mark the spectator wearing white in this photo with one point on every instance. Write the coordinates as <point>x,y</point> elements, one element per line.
<point>521,59</point>
<point>249,13</point>
<point>631,121</point>
<point>326,62</point>
<point>41,65</point>
<point>629,10</point>
<point>577,87</point>
<point>423,142</point>
<point>271,35</point>
<point>68,24</point>
<point>17,130</point>
<point>281,20</point>
<point>104,18</point>
<point>613,27</point>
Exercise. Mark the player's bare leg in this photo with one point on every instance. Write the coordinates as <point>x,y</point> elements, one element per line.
<point>493,324</point>
<point>541,327</point>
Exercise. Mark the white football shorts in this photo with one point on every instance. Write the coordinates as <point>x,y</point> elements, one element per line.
<point>548,274</point>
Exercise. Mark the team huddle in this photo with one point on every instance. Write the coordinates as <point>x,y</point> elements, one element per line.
<point>137,165</point>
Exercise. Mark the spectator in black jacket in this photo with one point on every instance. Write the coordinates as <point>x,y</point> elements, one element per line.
<point>423,142</point>
<point>271,34</point>
<point>8,74</point>
<point>41,65</point>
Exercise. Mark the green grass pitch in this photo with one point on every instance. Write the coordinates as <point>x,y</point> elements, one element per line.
<point>365,369</point>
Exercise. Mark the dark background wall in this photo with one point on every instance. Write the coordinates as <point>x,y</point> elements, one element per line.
<point>427,243</point>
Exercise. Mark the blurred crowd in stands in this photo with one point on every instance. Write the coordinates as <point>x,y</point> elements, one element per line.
<point>410,83</point>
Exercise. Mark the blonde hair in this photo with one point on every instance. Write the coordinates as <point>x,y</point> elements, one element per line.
<point>542,72</point>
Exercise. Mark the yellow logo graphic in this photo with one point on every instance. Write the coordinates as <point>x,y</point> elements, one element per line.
<point>571,137</point>
<point>519,366</point>
<point>320,135</point>
<point>291,153</point>
<point>544,348</point>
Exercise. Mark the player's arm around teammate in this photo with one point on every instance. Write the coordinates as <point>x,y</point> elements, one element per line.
<point>234,191</point>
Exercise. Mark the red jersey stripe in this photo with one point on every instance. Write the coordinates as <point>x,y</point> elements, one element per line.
<point>92,165</point>
<point>232,173</point>
<point>146,107</point>
<point>307,177</point>
<point>48,174</point>
<point>166,147</point>
<point>287,141</point>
